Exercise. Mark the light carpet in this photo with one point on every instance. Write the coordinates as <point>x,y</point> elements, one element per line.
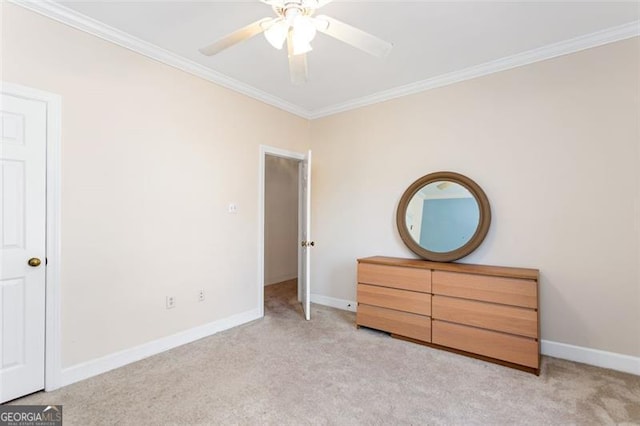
<point>284,370</point>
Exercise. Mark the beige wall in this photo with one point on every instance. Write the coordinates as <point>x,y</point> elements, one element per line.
<point>555,145</point>
<point>280,220</point>
<point>151,157</point>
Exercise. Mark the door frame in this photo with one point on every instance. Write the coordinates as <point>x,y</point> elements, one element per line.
<point>53,102</point>
<point>276,152</point>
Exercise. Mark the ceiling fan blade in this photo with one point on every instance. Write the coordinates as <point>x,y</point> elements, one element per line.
<point>236,37</point>
<point>353,36</point>
<point>297,64</point>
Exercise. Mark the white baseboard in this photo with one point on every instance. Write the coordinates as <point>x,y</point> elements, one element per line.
<point>85,370</point>
<point>604,359</point>
<point>109,362</point>
<point>596,357</point>
<point>345,305</point>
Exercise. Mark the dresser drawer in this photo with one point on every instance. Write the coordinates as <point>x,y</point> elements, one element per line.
<point>396,322</point>
<point>508,291</point>
<point>395,276</point>
<point>402,300</point>
<point>506,347</point>
<point>508,319</point>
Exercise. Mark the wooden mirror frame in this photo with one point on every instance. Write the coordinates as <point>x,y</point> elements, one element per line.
<point>475,240</point>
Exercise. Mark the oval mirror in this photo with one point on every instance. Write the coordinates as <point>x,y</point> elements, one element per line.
<point>443,216</point>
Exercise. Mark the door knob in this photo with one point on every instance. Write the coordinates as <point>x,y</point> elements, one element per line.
<point>34,261</point>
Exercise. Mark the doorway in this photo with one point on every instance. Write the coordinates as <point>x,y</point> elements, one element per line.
<point>283,253</point>
<point>280,231</point>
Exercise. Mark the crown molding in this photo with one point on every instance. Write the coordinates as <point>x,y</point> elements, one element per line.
<point>84,23</point>
<point>565,47</point>
<point>77,20</point>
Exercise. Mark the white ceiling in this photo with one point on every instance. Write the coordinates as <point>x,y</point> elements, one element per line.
<point>431,40</point>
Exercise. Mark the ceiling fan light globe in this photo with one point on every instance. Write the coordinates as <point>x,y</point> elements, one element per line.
<point>277,34</point>
<point>301,47</point>
<point>320,24</point>
<point>304,28</point>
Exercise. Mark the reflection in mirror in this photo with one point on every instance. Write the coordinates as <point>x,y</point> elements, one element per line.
<point>442,216</point>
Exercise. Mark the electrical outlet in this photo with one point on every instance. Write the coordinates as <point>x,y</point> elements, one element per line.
<point>171,302</point>
<point>201,295</point>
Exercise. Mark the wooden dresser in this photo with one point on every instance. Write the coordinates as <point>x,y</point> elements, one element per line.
<point>488,312</point>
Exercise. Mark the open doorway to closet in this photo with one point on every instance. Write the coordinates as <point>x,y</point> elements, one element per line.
<point>284,246</point>
<point>280,233</point>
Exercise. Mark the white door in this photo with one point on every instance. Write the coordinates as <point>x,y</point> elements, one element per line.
<point>306,244</point>
<point>22,244</point>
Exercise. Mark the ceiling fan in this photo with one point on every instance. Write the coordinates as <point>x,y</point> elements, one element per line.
<point>296,25</point>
